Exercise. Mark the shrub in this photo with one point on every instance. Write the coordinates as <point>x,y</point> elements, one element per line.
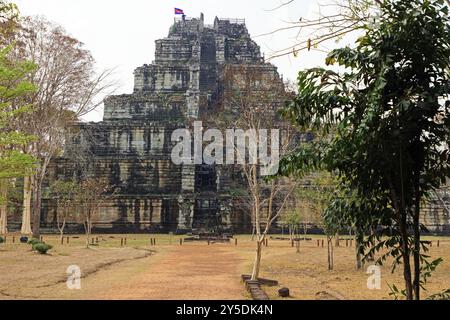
<point>34,241</point>
<point>2,240</point>
<point>42,248</point>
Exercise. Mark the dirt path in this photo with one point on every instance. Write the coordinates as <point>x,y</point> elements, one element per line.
<point>184,272</point>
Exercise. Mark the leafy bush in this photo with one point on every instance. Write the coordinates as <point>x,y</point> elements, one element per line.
<point>2,240</point>
<point>34,241</point>
<point>41,247</point>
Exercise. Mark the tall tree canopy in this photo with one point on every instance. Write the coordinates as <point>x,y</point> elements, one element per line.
<point>14,90</point>
<point>390,112</point>
<point>68,87</point>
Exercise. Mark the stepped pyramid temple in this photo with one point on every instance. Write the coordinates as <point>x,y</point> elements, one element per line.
<point>131,148</point>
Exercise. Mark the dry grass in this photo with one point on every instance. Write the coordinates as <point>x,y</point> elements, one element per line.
<point>307,276</point>
<point>191,271</point>
<point>28,275</point>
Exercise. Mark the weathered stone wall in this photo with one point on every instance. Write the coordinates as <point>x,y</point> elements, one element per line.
<point>131,147</point>
<point>435,213</point>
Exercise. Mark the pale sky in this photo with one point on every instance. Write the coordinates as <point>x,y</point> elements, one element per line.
<point>121,34</point>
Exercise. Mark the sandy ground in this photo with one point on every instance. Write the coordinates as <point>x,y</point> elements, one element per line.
<point>27,275</point>
<point>138,271</point>
<point>194,270</point>
<point>307,276</point>
<point>185,272</point>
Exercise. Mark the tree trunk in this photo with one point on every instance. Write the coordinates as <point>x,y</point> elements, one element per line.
<point>405,255</point>
<point>330,252</point>
<point>88,232</point>
<point>37,190</point>
<point>358,241</point>
<point>337,239</point>
<point>26,215</point>
<point>257,263</point>
<point>87,223</point>
<point>416,225</point>
<point>401,218</point>
<point>253,230</point>
<point>3,208</point>
<point>259,238</point>
<point>63,225</point>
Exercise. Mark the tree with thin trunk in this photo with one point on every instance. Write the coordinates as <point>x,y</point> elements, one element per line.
<point>26,215</point>
<point>292,219</point>
<point>317,195</point>
<point>251,97</point>
<point>14,91</point>
<point>89,198</point>
<point>360,214</point>
<point>391,112</point>
<point>68,88</point>
<point>65,193</point>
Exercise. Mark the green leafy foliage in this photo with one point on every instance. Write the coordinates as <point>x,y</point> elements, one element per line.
<point>444,295</point>
<point>13,88</point>
<point>427,269</point>
<point>64,191</point>
<point>386,123</point>
<point>34,241</point>
<point>292,219</point>
<point>396,293</point>
<point>42,248</point>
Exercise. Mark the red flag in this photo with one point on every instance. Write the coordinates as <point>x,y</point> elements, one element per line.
<point>178,11</point>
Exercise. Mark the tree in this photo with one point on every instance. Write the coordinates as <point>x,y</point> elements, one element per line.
<point>89,197</point>
<point>65,193</point>
<point>14,88</point>
<point>361,214</point>
<point>391,111</point>
<point>9,16</point>
<point>13,163</point>
<point>317,195</point>
<point>251,96</point>
<point>26,207</point>
<point>292,219</point>
<point>68,89</point>
<point>333,21</point>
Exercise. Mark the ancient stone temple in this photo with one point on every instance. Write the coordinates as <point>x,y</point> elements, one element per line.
<point>131,147</point>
